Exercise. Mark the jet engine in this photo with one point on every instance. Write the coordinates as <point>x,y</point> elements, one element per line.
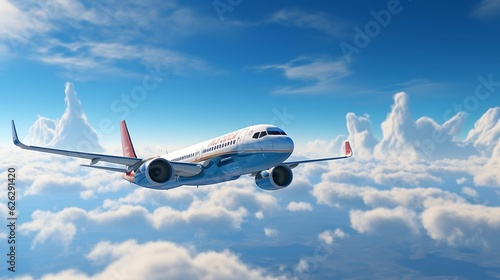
<point>154,173</point>
<point>275,178</point>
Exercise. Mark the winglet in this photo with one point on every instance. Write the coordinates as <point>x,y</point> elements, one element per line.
<point>348,150</point>
<point>15,138</point>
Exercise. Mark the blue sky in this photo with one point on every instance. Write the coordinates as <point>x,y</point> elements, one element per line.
<point>222,73</point>
<point>420,198</point>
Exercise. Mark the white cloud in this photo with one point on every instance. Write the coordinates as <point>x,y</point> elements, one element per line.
<point>462,181</point>
<point>16,25</point>
<point>315,75</point>
<point>329,236</point>
<point>61,227</point>
<point>408,140</point>
<point>319,147</point>
<point>298,18</point>
<point>469,192</point>
<point>259,215</point>
<point>199,214</point>
<point>460,224</point>
<point>382,221</point>
<point>333,193</point>
<point>486,132</point>
<point>270,232</point>
<point>152,197</point>
<point>299,206</point>
<point>33,28</point>
<point>360,134</point>
<point>3,215</point>
<point>41,132</point>
<point>302,266</point>
<point>56,227</point>
<point>218,208</point>
<point>73,131</point>
<point>489,175</point>
<point>487,9</point>
<point>162,260</point>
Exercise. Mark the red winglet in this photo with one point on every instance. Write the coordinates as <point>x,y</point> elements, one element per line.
<point>348,150</point>
<point>127,147</point>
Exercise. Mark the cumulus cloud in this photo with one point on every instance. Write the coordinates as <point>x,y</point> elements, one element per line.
<point>333,193</point>
<point>299,206</point>
<point>460,224</point>
<point>56,227</point>
<point>383,221</point>
<point>469,192</point>
<point>408,140</point>
<point>329,236</point>
<point>73,131</point>
<point>303,265</point>
<point>489,174</point>
<point>411,140</point>
<point>486,132</point>
<point>270,232</point>
<point>259,215</point>
<point>162,260</point>
<point>360,134</point>
<point>41,132</point>
<point>212,209</point>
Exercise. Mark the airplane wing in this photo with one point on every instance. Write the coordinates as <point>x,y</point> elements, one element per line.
<point>180,168</point>
<point>348,153</point>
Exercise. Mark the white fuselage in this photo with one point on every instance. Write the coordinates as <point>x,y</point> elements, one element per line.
<point>248,150</point>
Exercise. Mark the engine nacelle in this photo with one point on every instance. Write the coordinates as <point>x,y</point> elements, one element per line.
<point>276,178</point>
<point>154,173</point>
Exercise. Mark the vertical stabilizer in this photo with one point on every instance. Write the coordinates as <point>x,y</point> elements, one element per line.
<point>127,147</point>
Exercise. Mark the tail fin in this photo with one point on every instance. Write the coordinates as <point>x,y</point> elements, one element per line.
<point>127,147</point>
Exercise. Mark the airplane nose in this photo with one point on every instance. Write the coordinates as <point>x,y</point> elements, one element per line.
<point>283,144</point>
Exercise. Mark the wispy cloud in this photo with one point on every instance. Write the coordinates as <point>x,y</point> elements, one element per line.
<point>417,85</point>
<point>297,18</point>
<point>95,39</point>
<point>313,75</point>
<point>487,9</point>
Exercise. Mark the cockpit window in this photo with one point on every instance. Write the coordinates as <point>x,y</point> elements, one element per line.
<point>275,131</point>
<point>269,131</point>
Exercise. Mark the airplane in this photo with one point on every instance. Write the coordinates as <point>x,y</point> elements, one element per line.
<point>257,150</point>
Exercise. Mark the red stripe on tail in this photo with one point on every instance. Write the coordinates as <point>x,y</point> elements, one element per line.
<point>127,147</point>
<point>348,151</point>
